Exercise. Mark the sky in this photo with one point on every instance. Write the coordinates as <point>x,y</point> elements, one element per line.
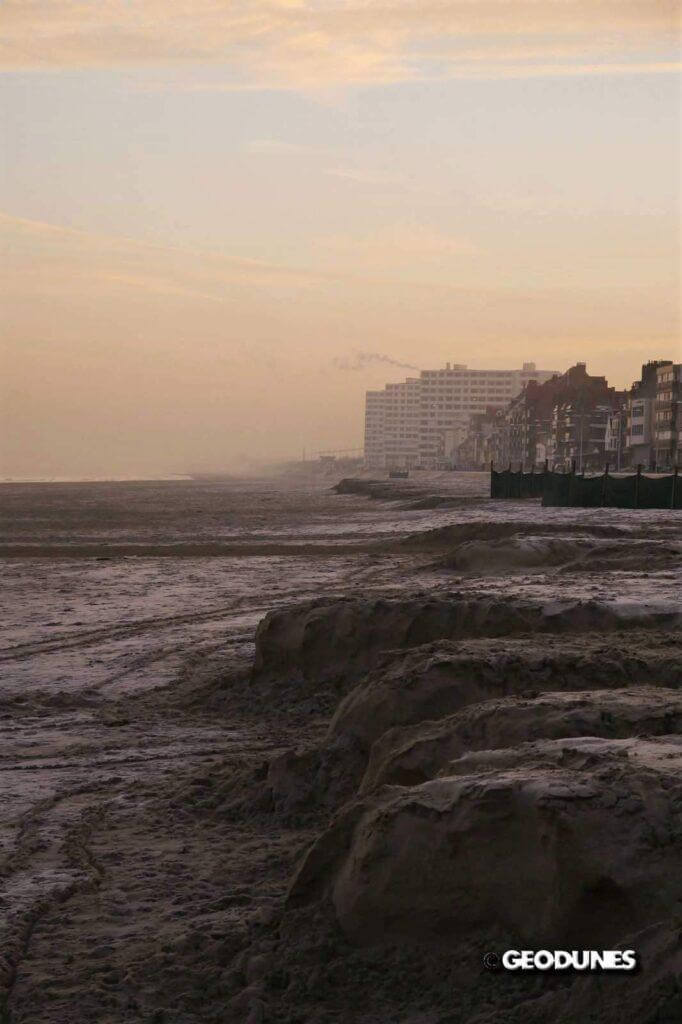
<point>221,222</point>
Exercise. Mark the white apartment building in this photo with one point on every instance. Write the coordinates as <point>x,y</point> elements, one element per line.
<point>421,421</point>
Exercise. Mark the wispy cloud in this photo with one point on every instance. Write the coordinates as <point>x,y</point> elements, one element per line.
<point>398,247</point>
<point>360,177</point>
<point>50,257</point>
<point>318,43</point>
<point>42,257</point>
<point>276,147</point>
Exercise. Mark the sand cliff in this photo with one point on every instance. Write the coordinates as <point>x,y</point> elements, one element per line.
<point>498,773</point>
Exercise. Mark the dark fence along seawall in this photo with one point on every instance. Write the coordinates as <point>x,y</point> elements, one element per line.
<point>636,490</point>
<point>508,484</point>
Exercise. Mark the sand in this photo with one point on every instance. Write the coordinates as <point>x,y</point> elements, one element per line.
<point>224,773</point>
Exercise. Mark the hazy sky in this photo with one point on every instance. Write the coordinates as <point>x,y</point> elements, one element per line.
<point>213,213</point>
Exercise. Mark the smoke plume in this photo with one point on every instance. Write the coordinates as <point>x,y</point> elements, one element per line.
<point>360,360</point>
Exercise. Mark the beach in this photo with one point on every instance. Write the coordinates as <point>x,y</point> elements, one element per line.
<point>213,691</point>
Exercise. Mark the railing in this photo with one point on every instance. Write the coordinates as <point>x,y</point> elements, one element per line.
<point>633,490</point>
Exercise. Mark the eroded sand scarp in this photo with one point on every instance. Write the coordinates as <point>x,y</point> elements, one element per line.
<point>553,841</point>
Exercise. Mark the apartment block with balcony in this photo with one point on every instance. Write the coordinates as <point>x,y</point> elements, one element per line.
<point>528,423</point>
<point>668,415</point>
<point>579,430</point>
<point>640,417</point>
<point>581,413</point>
<point>423,420</point>
<point>562,419</point>
<point>402,410</point>
<point>578,418</point>
<point>374,429</point>
<point>450,397</point>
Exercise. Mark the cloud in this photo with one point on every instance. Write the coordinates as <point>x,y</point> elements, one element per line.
<point>397,250</point>
<point>361,360</point>
<point>322,43</point>
<point>50,259</point>
<point>275,147</point>
<point>360,177</point>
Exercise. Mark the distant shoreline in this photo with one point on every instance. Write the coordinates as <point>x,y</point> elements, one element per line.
<point>95,479</point>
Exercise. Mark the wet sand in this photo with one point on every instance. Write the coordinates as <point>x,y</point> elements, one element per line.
<point>147,846</point>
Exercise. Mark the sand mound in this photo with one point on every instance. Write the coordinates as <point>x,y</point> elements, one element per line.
<point>385,490</point>
<point>334,640</point>
<point>482,556</point>
<point>573,553</point>
<point>428,490</point>
<point>441,501</point>
<point>629,557</point>
<point>417,753</point>
<point>322,776</point>
<point>562,841</point>
<point>493,531</point>
<point>437,680</point>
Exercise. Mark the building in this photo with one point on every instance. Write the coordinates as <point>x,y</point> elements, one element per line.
<point>581,413</point>
<point>374,428</point>
<point>575,418</point>
<point>527,424</point>
<point>580,431</point>
<point>478,449</point>
<point>668,415</point>
<point>422,421</point>
<point>640,416</point>
<point>402,410</point>
<point>559,420</point>
<point>615,437</point>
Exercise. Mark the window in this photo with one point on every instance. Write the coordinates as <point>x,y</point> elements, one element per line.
<point>638,428</point>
